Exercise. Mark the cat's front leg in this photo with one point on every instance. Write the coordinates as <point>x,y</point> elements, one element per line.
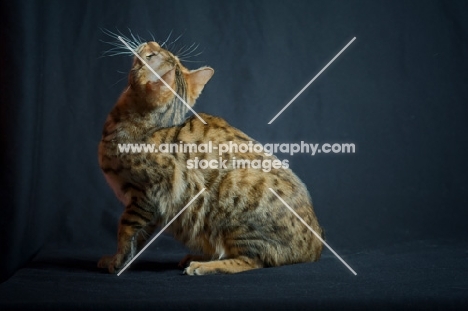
<point>144,235</point>
<point>126,249</point>
<point>131,223</point>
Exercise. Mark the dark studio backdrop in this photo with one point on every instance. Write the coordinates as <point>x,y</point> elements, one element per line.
<point>399,93</point>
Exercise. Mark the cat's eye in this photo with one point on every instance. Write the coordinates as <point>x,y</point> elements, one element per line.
<point>149,56</point>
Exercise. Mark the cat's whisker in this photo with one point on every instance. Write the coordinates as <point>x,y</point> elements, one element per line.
<point>135,40</point>
<point>123,36</point>
<point>173,42</point>
<point>190,56</point>
<point>167,39</point>
<point>189,50</point>
<point>195,55</point>
<point>178,51</point>
<point>109,33</point>
<point>120,53</point>
<point>118,81</point>
<point>113,50</point>
<point>191,61</point>
<point>112,43</point>
<point>185,50</point>
<point>115,35</point>
<point>107,53</point>
<point>133,45</point>
<point>152,36</point>
<point>116,48</point>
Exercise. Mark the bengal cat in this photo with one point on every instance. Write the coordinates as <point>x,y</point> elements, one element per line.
<point>236,224</point>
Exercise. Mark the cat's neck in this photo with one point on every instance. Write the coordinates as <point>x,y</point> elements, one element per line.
<point>172,114</point>
<point>131,121</point>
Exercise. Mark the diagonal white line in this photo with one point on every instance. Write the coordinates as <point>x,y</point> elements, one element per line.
<point>157,235</point>
<point>313,79</point>
<point>316,234</point>
<point>156,74</point>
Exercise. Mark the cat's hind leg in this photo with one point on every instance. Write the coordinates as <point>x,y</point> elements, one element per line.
<point>233,265</point>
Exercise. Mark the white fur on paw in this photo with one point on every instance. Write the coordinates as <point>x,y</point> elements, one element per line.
<point>195,268</point>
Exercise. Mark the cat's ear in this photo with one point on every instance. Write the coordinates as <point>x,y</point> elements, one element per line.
<point>196,80</point>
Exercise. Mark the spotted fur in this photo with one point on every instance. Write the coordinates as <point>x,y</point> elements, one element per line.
<point>236,224</point>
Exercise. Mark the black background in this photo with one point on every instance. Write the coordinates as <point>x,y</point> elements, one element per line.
<point>399,93</point>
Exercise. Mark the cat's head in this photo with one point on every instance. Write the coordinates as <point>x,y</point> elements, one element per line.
<point>187,83</point>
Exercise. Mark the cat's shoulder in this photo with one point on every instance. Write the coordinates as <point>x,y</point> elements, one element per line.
<point>210,123</point>
<point>207,119</point>
<point>198,128</point>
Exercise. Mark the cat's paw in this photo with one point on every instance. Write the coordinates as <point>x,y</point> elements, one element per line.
<point>112,263</point>
<point>196,268</point>
<point>104,261</point>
